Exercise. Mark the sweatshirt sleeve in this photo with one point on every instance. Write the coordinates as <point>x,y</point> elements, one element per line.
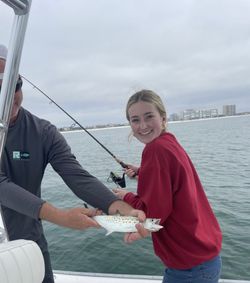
<point>82,183</point>
<point>134,201</point>
<point>155,184</point>
<point>19,199</point>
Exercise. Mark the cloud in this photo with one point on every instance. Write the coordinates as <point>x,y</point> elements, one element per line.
<point>90,56</point>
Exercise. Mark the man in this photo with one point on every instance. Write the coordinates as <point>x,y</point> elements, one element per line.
<point>31,144</point>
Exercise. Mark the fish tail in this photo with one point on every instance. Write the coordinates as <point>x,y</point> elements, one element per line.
<point>109,232</point>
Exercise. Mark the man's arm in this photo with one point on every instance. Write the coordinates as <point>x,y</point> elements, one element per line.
<point>19,199</point>
<point>83,184</point>
<point>22,201</point>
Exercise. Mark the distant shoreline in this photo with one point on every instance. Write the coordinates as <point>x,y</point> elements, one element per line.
<point>96,129</point>
<point>169,122</point>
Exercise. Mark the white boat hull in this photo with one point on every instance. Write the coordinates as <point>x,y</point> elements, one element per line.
<point>81,277</point>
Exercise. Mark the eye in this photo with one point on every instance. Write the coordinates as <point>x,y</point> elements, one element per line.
<point>149,117</point>
<point>134,120</point>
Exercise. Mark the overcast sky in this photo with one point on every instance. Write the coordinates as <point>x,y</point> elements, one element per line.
<point>91,55</point>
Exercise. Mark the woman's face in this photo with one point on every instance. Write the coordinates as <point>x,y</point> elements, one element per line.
<point>145,121</point>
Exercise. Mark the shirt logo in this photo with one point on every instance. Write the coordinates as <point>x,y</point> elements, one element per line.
<point>20,155</point>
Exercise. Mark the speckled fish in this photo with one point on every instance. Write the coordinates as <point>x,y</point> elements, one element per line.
<point>118,223</point>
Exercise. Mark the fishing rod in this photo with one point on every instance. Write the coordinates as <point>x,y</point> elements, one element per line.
<point>115,178</point>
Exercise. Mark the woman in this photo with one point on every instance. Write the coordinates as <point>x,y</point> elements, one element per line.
<point>169,188</point>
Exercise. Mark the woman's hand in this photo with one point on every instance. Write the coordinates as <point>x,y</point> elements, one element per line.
<point>125,209</point>
<point>141,231</point>
<point>120,193</point>
<point>140,234</point>
<point>131,171</point>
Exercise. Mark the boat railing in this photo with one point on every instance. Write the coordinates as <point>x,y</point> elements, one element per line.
<point>21,13</point>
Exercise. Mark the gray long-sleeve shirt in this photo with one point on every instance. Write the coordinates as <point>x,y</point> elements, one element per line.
<point>31,144</point>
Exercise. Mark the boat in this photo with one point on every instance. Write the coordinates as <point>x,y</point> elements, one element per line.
<point>21,260</point>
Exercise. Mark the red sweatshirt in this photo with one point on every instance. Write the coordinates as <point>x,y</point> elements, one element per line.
<point>169,188</point>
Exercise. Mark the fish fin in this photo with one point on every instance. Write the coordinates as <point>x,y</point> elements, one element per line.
<point>109,232</point>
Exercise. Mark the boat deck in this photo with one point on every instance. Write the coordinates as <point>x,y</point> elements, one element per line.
<point>81,277</point>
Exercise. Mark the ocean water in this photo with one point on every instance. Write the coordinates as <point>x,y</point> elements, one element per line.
<point>220,150</point>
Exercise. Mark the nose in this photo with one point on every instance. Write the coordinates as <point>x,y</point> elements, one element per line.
<point>143,125</point>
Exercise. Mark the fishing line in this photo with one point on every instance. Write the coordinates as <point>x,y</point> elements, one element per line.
<point>76,122</point>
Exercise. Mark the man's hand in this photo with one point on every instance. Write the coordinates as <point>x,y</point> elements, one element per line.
<point>80,218</point>
<point>75,218</point>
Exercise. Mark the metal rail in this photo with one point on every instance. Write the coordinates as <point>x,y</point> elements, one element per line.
<point>21,10</point>
<point>20,7</point>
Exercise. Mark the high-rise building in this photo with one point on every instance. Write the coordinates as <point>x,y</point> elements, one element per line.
<point>229,110</point>
<point>174,117</point>
<point>190,114</point>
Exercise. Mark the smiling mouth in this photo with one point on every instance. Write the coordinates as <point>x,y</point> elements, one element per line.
<point>146,133</point>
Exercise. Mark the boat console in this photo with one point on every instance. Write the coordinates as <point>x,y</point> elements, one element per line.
<point>21,261</point>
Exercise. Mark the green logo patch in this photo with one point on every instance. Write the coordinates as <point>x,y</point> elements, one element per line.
<point>20,155</point>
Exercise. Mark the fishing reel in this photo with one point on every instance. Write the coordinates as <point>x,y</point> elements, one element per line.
<point>120,181</point>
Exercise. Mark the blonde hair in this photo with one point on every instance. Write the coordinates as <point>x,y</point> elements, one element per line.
<point>150,97</point>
